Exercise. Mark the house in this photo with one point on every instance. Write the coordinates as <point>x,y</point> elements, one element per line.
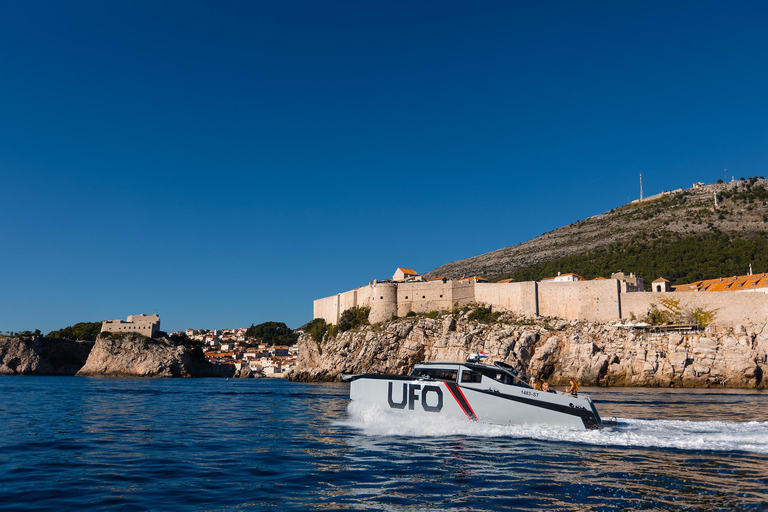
<point>401,274</point>
<point>476,279</point>
<point>661,285</point>
<point>564,278</point>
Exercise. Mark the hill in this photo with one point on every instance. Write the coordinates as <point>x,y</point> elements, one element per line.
<point>680,235</point>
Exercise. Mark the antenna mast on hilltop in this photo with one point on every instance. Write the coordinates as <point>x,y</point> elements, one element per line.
<point>641,186</point>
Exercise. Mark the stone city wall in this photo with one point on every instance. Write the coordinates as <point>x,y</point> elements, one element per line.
<point>590,301</point>
<point>731,308</point>
<point>521,298</point>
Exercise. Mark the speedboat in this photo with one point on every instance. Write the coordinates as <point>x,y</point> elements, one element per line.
<point>481,392</point>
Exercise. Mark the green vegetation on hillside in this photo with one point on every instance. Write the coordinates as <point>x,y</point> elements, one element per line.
<point>87,331</point>
<point>681,260</point>
<point>275,333</point>
<point>353,318</point>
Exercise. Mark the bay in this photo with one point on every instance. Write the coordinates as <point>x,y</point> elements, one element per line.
<point>215,444</point>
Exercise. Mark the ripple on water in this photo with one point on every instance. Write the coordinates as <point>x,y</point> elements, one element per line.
<point>208,444</point>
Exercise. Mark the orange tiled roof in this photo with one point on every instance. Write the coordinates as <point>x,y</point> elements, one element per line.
<point>725,284</point>
<point>407,271</point>
<point>510,280</point>
<point>435,279</point>
<point>480,279</point>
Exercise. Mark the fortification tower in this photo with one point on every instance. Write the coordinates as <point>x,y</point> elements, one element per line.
<point>383,302</point>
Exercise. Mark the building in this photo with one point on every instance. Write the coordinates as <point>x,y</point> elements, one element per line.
<point>629,283</point>
<point>148,325</point>
<point>749,283</point>
<point>401,274</point>
<point>661,285</point>
<point>564,278</point>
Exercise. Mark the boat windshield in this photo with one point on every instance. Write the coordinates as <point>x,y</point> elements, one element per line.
<point>435,373</point>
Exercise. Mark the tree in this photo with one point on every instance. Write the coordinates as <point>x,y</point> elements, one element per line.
<point>275,333</point>
<point>87,331</point>
<point>353,317</point>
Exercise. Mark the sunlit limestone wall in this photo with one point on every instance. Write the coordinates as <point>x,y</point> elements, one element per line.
<point>331,308</point>
<point>591,301</point>
<point>147,325</point>
<point>433,296</point>
<point>327,308</point>
<point>520,298</point>
<point>383,302</point>
<point>731,308</point>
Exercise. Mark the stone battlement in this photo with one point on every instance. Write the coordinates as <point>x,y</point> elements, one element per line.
<point>605,300</point>
<point>148,325</point>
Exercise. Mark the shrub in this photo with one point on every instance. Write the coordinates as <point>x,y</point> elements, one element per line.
<point>483,315</point>
<point>353,318</point>
<point>316,328</point>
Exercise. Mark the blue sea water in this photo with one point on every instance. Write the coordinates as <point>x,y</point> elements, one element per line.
<point>71,443</point>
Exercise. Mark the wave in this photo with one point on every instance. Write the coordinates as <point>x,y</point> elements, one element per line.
<point>631,433</point>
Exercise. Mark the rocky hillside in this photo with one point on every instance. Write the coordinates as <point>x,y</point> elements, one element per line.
<point>134,355</point>
<point>40,356</point>
<point>742,212</point>
<point>554,350</point>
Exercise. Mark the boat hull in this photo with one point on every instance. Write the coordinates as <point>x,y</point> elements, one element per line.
<point>498,404</point>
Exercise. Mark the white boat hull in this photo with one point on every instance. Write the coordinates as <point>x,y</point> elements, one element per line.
<point>487,401</point>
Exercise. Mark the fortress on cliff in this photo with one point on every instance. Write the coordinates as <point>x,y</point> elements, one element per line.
<point>148,325</point>
<point>567,297</point>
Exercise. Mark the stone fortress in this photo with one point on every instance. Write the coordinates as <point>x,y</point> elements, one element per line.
<point>566,296</point>
<point>148,325</point>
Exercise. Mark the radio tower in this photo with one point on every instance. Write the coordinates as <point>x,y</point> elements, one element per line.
<point>641,186</point>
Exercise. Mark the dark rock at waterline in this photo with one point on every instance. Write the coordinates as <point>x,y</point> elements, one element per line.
<point>41,356</point>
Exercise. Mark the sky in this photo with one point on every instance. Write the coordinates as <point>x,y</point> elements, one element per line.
<point>224,164</point>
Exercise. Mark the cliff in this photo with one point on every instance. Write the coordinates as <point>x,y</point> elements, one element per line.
<point>134,355</point>
<point>40,356</point>
<point>553,350</point>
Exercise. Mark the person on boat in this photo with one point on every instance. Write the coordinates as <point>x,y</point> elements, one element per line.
<point>545,387</point>
<point>534,383</point>
<point>573,387</point>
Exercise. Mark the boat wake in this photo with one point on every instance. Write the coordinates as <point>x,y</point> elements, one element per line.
<point>635,433</point>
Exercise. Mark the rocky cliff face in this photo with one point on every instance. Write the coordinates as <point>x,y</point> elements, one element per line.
<point>554,350</point>
<point>134,355</point>
<point>39,356</point>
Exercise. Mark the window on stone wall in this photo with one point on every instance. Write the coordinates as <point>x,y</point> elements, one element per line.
<point>406,296</point>
<point>441,296</point>
<point>423,297</point>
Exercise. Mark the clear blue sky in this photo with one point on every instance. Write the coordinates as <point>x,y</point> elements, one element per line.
<point>225,163</point>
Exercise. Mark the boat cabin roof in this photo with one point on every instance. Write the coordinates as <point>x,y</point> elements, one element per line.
<point>449,371</point>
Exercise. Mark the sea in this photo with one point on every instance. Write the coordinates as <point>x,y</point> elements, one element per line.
<point>72,443</point>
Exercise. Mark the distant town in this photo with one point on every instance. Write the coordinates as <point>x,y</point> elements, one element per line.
<point>235,347</point>
<point>224,346</point>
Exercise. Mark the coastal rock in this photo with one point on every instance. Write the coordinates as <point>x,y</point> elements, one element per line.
<point>134,355</point>
<point>594,354</point>
<point>41,356</point>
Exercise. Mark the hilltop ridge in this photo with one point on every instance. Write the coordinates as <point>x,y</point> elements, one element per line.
<point>661,220</point>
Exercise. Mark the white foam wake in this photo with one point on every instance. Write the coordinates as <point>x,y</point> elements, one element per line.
<point>684,435</point>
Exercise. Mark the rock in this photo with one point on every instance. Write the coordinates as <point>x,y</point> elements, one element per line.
<point>41,356</point>
<point>594,354</point>
<point>134,355</point>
